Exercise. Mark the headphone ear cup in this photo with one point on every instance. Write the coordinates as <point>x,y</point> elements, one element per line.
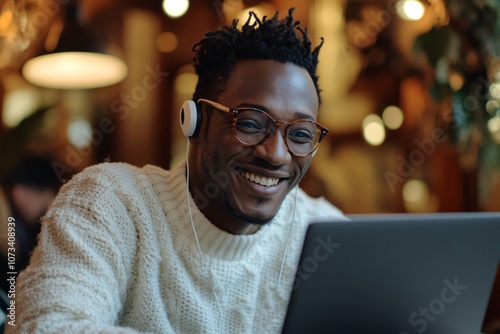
<point>190,118</point>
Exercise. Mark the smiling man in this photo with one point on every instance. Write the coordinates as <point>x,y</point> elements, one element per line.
<point>213,245</point>
<point>260,153</point>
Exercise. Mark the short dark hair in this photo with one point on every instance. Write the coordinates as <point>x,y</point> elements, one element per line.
<point>34,171</point>
<point>266,39</point>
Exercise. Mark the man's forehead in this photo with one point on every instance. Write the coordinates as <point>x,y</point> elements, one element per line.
<point>284,90</point>
<point>256,77</point>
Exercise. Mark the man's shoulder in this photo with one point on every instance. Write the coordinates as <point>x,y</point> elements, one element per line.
<point>118,172</point>
<point>106,173</point>
<point>100,185</point>
<point>124,177</point>
<point>107,177</point>
<point>112,168</point>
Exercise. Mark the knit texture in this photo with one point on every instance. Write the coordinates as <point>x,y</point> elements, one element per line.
<point>117,254</point>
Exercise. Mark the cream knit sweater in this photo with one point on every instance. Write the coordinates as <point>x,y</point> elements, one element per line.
<point>117,254</point>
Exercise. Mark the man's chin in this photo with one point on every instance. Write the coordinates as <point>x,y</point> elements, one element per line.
<point>258,213</point>
<point>257,220</point>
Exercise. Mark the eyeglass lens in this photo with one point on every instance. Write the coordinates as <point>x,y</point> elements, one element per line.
<point>253,127</point>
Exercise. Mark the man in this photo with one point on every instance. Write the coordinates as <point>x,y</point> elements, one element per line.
<point>213,245</point>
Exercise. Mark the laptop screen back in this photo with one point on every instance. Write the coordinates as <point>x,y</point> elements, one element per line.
<point>399,274</point>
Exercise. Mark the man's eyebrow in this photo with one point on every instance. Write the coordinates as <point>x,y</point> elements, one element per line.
<point>297,115</point>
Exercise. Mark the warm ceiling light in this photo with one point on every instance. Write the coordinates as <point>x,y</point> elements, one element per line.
<point>74,70</point>
<point>175,8</point>
<point>411,10</point>
<point>77,61</point>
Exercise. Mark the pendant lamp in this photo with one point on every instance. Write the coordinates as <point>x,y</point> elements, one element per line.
<point>77,62</point>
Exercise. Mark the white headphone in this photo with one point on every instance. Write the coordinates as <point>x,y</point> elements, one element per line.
<point>190,118</point>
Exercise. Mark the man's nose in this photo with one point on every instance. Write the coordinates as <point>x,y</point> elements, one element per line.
<point>274,149</point>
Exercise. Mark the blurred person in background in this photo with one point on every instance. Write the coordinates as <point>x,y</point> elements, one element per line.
<point>28,191</point>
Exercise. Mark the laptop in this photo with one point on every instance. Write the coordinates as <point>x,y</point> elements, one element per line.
<point>396,274</point>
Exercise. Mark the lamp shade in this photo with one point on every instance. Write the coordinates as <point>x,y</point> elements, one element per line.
<point>77,62</point>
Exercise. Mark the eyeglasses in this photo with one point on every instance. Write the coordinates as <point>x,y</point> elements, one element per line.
<point>252,127</point>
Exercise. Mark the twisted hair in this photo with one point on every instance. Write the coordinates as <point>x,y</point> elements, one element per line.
<point>267,39</point>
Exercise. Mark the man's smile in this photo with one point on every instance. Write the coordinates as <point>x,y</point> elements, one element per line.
<point>259,179</point>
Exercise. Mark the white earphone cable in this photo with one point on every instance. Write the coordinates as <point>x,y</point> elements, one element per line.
<point>288,237</point>
<point>199,246</point>
<point>197,240</point>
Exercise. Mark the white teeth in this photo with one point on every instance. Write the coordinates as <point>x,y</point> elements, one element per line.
<point>263,181</point>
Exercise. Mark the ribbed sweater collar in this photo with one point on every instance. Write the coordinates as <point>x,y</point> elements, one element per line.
<point>213,241</point>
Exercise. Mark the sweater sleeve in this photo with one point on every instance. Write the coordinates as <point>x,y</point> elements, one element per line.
<point>77,278</point>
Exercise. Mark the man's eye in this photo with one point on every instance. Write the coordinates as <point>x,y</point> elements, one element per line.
<point>248,125</point>
<point>301,136</point>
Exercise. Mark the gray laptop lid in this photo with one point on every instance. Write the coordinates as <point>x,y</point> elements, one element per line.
<point>396,274</point>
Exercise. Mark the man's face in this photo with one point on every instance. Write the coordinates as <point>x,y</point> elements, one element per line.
<point>222,169</point>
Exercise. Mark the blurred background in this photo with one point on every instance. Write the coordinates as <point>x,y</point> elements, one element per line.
<point>411,92</point>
